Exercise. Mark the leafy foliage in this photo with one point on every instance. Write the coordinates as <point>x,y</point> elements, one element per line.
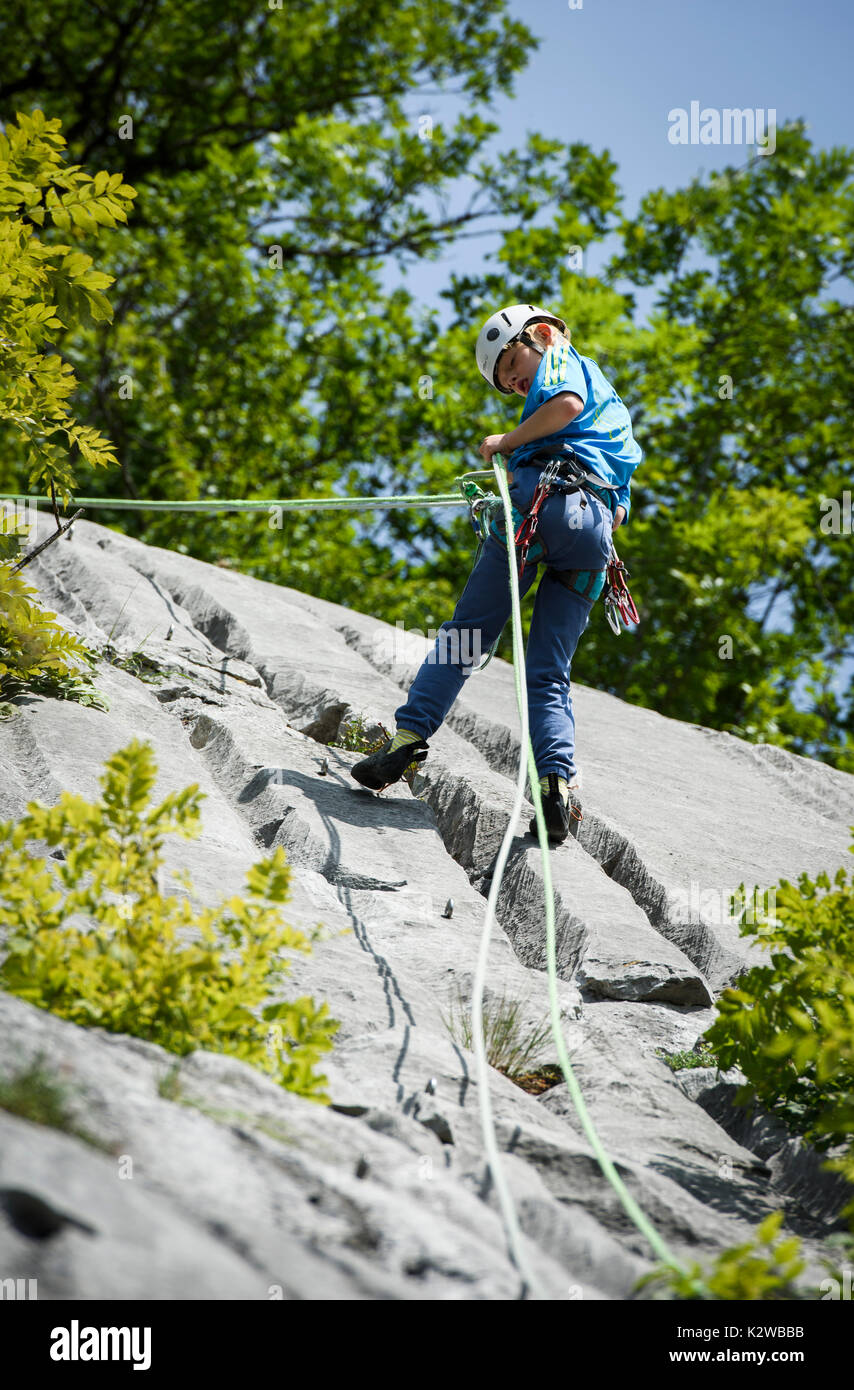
<point>746,445</point>
<point>285,187</point>
<point>702,1055</point>
<point>790,1025</point>
<point>354,736</point>
<point>46,289</point>
<point>93,939</point>
<point>762,1269</point>
<point>37,654</point>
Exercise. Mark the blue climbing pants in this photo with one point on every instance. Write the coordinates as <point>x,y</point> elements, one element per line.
<point>570,536</point>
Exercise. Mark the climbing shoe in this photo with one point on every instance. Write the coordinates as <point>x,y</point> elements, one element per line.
<point>561,816</point>
<point>388,764</point>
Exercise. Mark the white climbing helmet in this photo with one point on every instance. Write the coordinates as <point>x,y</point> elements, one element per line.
<point>502,329</point>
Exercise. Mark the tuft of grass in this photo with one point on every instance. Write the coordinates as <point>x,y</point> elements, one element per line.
<point>509,1048</point>
<point>169,1087</point>
<point>702,1056</point>
<point>136,663</point>
<point>353,737</point>
<point>35,1094</point>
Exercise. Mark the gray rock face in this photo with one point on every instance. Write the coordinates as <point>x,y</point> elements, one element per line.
<point>793,1166</point>
<point>678,814</point>
<point>221,1185</point>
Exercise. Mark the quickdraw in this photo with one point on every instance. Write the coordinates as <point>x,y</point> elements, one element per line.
<point>525,534</point>
<point>620,607</point>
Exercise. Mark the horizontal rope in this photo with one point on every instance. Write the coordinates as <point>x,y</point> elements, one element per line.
<point>244,504</point>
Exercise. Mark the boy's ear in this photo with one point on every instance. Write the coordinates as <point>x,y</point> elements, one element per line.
<point>543,332</point>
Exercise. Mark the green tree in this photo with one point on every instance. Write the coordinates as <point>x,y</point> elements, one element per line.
<point>745,402</point>
<point>281,169</point>
<point>47,290</point>
<point>251,369</point>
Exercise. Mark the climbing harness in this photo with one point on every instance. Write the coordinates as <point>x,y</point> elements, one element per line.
<point>566,474</point>
<point>531,520</point>
<point>590,584</point>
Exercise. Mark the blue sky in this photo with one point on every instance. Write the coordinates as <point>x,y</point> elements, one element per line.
<point>610,72</point>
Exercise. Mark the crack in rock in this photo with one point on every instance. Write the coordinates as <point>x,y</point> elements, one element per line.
<point>604,843</point>
<point>471,826</point>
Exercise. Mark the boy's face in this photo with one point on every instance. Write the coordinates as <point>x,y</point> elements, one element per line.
<point>517,367</point>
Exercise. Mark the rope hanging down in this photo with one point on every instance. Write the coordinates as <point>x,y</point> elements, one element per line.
<point>643,1224</point>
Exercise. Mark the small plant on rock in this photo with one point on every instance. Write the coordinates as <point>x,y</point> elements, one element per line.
<point>137,663</point>
<point>702,1055</point>
<point>35,1094</point>
<point>510,1048</point>
<point>353,735</point>
<point>92,938</point>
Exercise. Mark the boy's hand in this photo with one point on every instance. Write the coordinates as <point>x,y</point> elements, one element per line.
<point>493,444</point>
<point>619,517</point>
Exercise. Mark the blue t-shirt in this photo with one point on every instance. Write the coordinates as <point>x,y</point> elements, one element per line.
<point>601,434</point>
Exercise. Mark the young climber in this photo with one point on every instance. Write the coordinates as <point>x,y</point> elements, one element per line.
<point>570,407</point>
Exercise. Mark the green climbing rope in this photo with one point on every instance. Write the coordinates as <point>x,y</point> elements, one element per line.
<point>251,504</point>
<point>633,1211</point>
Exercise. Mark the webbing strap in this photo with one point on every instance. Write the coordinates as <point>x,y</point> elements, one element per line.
<point>588,583</point>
